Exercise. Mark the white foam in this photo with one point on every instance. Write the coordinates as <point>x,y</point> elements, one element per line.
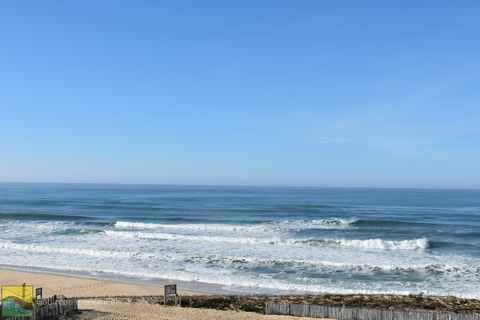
<point>279,225</point>
<point>213,227</point>
<point>35,229</point>
<point>374,244</point>
<point>259,258</point>
<point>63,250</point>
<point>181,237</point>
<point>306,224</point>
<point>414,244</point>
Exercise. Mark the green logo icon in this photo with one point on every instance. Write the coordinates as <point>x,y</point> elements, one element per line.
<point>17,301</point>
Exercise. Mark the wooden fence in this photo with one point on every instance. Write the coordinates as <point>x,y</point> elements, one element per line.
<point>54,308</point>
<point>342,313</point>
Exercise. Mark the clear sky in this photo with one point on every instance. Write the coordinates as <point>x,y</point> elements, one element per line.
<point>327,93</point>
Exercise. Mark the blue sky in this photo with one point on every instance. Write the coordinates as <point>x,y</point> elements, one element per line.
<point>326,93</point>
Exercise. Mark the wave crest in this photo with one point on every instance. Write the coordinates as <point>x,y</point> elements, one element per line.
<point>369,244</point>
<point>375,244</point>
<point>278,225</point>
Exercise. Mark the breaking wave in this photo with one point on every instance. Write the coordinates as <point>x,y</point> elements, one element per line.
<point>373,244</point>
<point>62,250</point>
<point>376,244</point>
<point>278,225</point>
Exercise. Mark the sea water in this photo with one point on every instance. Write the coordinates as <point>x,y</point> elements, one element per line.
<point>249,239</point>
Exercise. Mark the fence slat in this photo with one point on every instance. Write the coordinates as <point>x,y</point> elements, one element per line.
<point>52,308</point>
<point>343,313</point>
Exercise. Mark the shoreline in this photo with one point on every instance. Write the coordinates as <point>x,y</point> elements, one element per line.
<point>103,299</point>
<point>188,286</point>
<point>85,287</point>
<point>77,286</point>
<point>194,287</point>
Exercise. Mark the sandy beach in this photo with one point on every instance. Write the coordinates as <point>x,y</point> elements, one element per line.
<point>113,309</point>
<point>140,311</point>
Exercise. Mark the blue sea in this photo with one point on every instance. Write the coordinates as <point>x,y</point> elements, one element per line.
<point>248,239</point>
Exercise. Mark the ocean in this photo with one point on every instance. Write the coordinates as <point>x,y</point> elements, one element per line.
<point>248,239</point>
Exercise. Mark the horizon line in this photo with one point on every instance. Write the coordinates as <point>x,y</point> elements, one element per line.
<point>243,185</point>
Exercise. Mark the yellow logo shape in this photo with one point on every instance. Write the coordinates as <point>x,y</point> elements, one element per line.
<point>17,301</point>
